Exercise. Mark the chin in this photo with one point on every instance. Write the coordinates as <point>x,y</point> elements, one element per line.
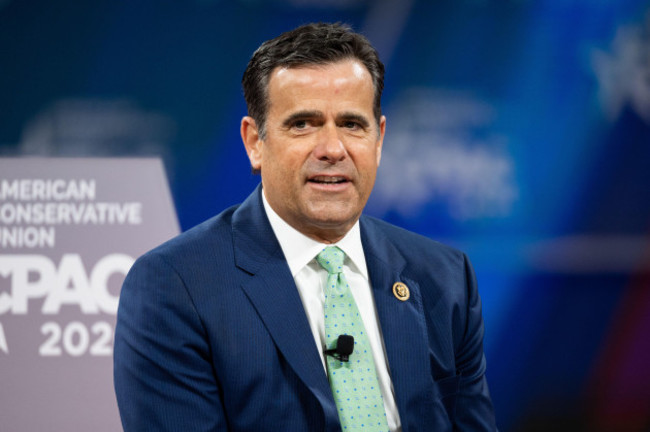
<point>332,218</point>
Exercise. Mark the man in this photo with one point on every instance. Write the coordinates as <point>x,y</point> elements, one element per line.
<point>233,325</point>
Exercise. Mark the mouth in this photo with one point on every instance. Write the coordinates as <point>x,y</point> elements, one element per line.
<point>328,180</point>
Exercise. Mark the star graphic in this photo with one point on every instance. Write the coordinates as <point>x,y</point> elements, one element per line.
<point>623,72</point>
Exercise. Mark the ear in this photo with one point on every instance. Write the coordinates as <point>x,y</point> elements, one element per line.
<point>380,140</point>
<point>251,138</point>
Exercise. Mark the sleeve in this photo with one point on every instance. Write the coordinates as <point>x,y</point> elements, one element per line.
<point>164,379</point>
<point>474,410</point>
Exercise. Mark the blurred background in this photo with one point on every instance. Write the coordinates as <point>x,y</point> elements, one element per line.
<point>518,131</point>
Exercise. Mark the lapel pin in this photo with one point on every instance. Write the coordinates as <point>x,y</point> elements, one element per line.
<point>401,291</point>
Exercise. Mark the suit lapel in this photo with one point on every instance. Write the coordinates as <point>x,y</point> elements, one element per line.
<point>272,290</point>
<point>403,327</point>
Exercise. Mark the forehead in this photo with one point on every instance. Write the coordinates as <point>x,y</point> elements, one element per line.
<point>352,65</point>
<point>345,79</point>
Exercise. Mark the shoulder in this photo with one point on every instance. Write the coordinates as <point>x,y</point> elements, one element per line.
<point>203,241</point>
<point>410,244</point>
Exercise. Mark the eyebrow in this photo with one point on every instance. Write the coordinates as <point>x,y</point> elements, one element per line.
<point>347,116</point>
<point>306,114</point>
<point>301,115</point>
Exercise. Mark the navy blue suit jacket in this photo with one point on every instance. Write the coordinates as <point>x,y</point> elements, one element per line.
<point>212,336</point>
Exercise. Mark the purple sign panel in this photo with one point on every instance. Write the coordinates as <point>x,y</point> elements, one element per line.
<point>70,229</point>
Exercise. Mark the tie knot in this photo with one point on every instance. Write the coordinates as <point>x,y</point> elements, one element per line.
<point>331,259</point>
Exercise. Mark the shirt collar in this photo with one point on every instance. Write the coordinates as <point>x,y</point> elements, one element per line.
<point>299,249</point>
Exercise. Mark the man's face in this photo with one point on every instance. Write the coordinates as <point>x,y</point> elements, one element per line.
<point>322,147</point>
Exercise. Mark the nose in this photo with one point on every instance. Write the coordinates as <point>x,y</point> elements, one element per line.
<point>329,147</point>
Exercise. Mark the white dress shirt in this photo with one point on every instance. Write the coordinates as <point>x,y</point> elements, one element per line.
<point>300,252</point>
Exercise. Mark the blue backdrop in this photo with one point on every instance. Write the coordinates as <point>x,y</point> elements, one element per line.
<point>517,130</point>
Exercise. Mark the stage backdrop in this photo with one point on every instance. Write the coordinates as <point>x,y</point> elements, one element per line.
<point>518,131</point>
<point>70,230</point>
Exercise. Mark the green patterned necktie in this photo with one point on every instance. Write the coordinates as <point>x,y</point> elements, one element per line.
<point>354,383</point>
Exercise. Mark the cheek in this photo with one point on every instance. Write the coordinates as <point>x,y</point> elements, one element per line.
<point>287,158</point>
<point>367,164</point>
<point>284,170</point>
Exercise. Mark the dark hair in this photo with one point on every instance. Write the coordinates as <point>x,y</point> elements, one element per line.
<point>310,44</point>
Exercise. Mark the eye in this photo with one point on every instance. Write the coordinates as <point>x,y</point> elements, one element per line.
<point>300,124</point>
<point>352,125</point>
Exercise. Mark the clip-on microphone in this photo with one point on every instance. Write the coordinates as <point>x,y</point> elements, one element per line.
<point>344,348</point>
